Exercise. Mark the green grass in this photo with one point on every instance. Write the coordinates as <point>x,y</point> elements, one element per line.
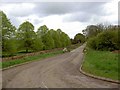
<point>30,58</point>
<point>101,63</point>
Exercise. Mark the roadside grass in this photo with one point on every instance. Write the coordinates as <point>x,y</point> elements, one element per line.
<point>101,63</point>
<point>9,63</point>
<point>29,58</point>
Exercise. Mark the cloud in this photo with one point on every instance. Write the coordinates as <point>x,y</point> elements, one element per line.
<point>37,21</point>
<point>77,11</point>
<point>80,17</point>
<point>55,8</point>
<point>71,17</point>
<point>22,9</point>
<point>16,10</point>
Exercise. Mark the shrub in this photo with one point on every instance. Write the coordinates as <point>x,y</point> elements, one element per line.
<point>92,43</point>
<point>107,40</point>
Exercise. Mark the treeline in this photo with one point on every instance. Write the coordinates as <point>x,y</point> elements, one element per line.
<point>101,37</point>
<point>25,38</point>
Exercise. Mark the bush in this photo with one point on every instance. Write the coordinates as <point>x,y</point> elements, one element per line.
<point>107,40</point>
<point>92,43</point>
<point>116,39</point>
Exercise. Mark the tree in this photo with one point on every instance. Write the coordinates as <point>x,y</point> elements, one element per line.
<point>42,30</point>
<point>93,30</point>
<point>8,34</point>
<point>56,37</point>
<point>79,38</point>
<point>11,47</point>
<point>65,40</point>
<point>53,39</point>
<point>26,35</point>
<point>44,34</point>
<point>48,41</point>
<point>37,44</point>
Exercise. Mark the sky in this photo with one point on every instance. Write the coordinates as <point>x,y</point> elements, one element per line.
<point>70,16</point>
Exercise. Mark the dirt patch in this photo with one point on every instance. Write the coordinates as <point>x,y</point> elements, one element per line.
<point>116,51</point>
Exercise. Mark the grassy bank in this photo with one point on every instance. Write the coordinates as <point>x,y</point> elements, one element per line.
<point>30,58</point>
<point>101,63</point>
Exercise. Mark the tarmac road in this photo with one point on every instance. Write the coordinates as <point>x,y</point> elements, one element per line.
<point>61,71</point>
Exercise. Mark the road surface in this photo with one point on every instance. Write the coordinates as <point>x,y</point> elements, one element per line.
<point>61,71</point>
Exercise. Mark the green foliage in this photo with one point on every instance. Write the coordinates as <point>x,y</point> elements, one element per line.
<point>42,30</point>
<point>11,47</point>
<point>8,35</point>
<point>26,35</point>
<point>37,44</point>
<point>107,40</point>
<point>48,41</point>
<point>53,39</point>
<point>116,39</point>
<point>24,38</point>
<point>56,37</point>
<point>45,35</point>
<point>92,43</point>
<point>64,38</point>
<point>79,38</point>
<point>8,30</point>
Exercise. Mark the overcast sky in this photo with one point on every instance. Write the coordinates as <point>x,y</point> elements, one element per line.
<point>70,17</point>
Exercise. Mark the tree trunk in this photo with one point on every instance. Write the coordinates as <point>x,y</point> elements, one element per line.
<point>26,50</point>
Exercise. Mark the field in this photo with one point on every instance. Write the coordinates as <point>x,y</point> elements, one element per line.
<point>101,63</point>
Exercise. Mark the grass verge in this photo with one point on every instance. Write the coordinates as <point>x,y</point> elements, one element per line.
<point>29,58</point>
<point>101,63</point>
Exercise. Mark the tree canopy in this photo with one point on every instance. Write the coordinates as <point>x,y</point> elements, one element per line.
<point>25,38</point>
<point>79,38</point>
<point>26,35</point>
<point>8,34</point>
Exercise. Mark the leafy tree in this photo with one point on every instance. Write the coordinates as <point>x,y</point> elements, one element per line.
<point>59,32</point>
<point>92,30</point>
<point>56,37</point>
<point>8,34</point>
<point>42,30</point>
<point>79,38</point>
<point>65,40</point>
<point>26,35</point>
<point>48,41</point>
<point>11,47</point>
<point>37,44</point>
